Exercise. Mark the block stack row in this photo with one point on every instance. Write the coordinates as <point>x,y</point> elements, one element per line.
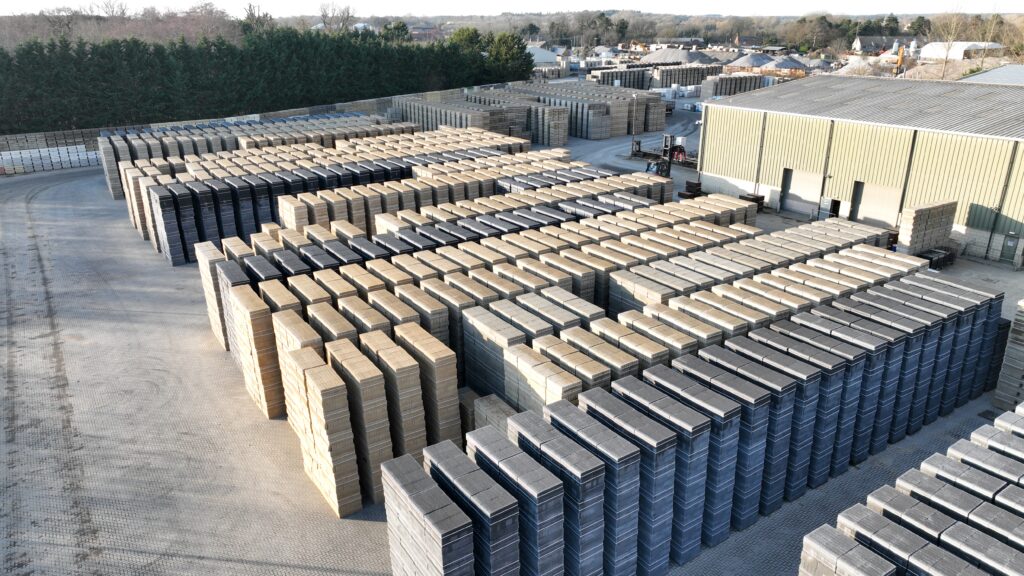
<point>170,145</point>
<point>597,111</point>
<point>730,84</point>
<point>685,75</point>
<point>957,513</point>
<point>547,125</point>
<point>765,416</point>
<point>925,227</point>
<point>232,193</point>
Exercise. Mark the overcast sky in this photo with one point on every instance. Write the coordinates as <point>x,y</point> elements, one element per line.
<point>465,7</point>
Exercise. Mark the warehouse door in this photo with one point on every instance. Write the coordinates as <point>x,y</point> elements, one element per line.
<point>875,205</point>
<point>801,192</point>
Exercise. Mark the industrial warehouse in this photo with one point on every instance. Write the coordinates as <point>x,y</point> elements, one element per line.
<point>657,318</point>
<point>867,148</point>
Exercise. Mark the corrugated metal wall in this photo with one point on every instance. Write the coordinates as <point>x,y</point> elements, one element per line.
<point>868,153</point>
<point>1012,217</point>
<point>968,169</point>
<point>797,142</point>
<point>731,145</point>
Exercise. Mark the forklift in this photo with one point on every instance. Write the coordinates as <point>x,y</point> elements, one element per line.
<point>673,151</point>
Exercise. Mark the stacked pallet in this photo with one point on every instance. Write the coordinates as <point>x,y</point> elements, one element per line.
<point>427,532</point>
<point>252,344</point>
<point>1010,386</point>
<point>369,410</point>
<point>403,390</point>
<point>438,380</point>
<point>730,84</point>
<point>540,495</point>
<point>683,75</point>
<point>925,227</point>
<point>492,411</point>
<point>547,125</point>
<point>956,514</point>
<point>657,473</point>
<point>494,512</point>
<point>639,78</point>
<point>582,476</point>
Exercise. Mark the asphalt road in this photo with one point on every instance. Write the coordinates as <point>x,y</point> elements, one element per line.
<point>131,447</point>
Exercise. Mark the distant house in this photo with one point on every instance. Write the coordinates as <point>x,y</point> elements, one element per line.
<point>960,50</point>
<point>743,41</point>
<point>542,56</point>
<point>877,44</point>
<point>604,51</point>
<point>425,32</point>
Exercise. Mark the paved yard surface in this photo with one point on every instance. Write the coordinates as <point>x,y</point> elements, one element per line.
<point>130,447</point>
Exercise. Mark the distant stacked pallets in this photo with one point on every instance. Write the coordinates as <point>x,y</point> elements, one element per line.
<point>1010,386</point>
<point>685,75</point>
<point>165,148</point>
<point>730,84</point>
<point>925,227</point>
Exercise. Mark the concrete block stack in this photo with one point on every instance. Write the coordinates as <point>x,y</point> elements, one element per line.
<point>957,513</point>
<point>925,227</point>
<point>1010,386</point>
<point>428,533</point>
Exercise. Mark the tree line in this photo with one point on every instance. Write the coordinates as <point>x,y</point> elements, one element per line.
<point>63,84</point>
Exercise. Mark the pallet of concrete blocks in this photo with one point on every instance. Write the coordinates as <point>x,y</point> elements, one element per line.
<point>692,431</point>
<point>620,363</point>
<point>255,350</point>
<point>676,342</point>
<point>724,415</point>
<point>774,364</point>
<point>925,227</point>
<point>647,351</point>
<point>493,511</point>
<point>325,432</point>
<point>621,482</point>
<point>485,337</point>
<point>532,380</point>
<point>582,476</point>
<point>591,373</point>
<point>657,473</point>
<point>755,406</point>
<point>1010,387</point>
<point>540,495</point>
<point>208,256</point>
<point>491,410</point>
<point>438,380</point>
<point>782,389</point>
<point>369,409</point>
<point>427,532</point>
<point>403,390</point>
<point>827,551</point>
<point>292,333</point>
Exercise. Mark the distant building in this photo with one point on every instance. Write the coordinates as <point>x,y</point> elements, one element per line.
<point>866,148</point>
<point>877,44</point>
<point>542,56</point>
<point>425,32</point>
<point>959,50</point>
<point>745,41</point>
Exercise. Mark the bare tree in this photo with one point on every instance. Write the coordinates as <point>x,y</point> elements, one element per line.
<point>60,20</point>
<point>989,32</point>
<point>111,8</point>
<point>335,17</point>
<point>948,28</point>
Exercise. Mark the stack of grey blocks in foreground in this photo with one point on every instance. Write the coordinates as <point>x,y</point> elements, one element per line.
<point>582,476</point>
<point>621,461</point>
<point>427,532</point>
<point>538,491</point>
<point>494,512</point>
<point>657,446</point>
<point>961,512</point>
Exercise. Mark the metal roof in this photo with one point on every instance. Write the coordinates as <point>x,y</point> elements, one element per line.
<point>958,107</point>
<point>1007,74</point>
